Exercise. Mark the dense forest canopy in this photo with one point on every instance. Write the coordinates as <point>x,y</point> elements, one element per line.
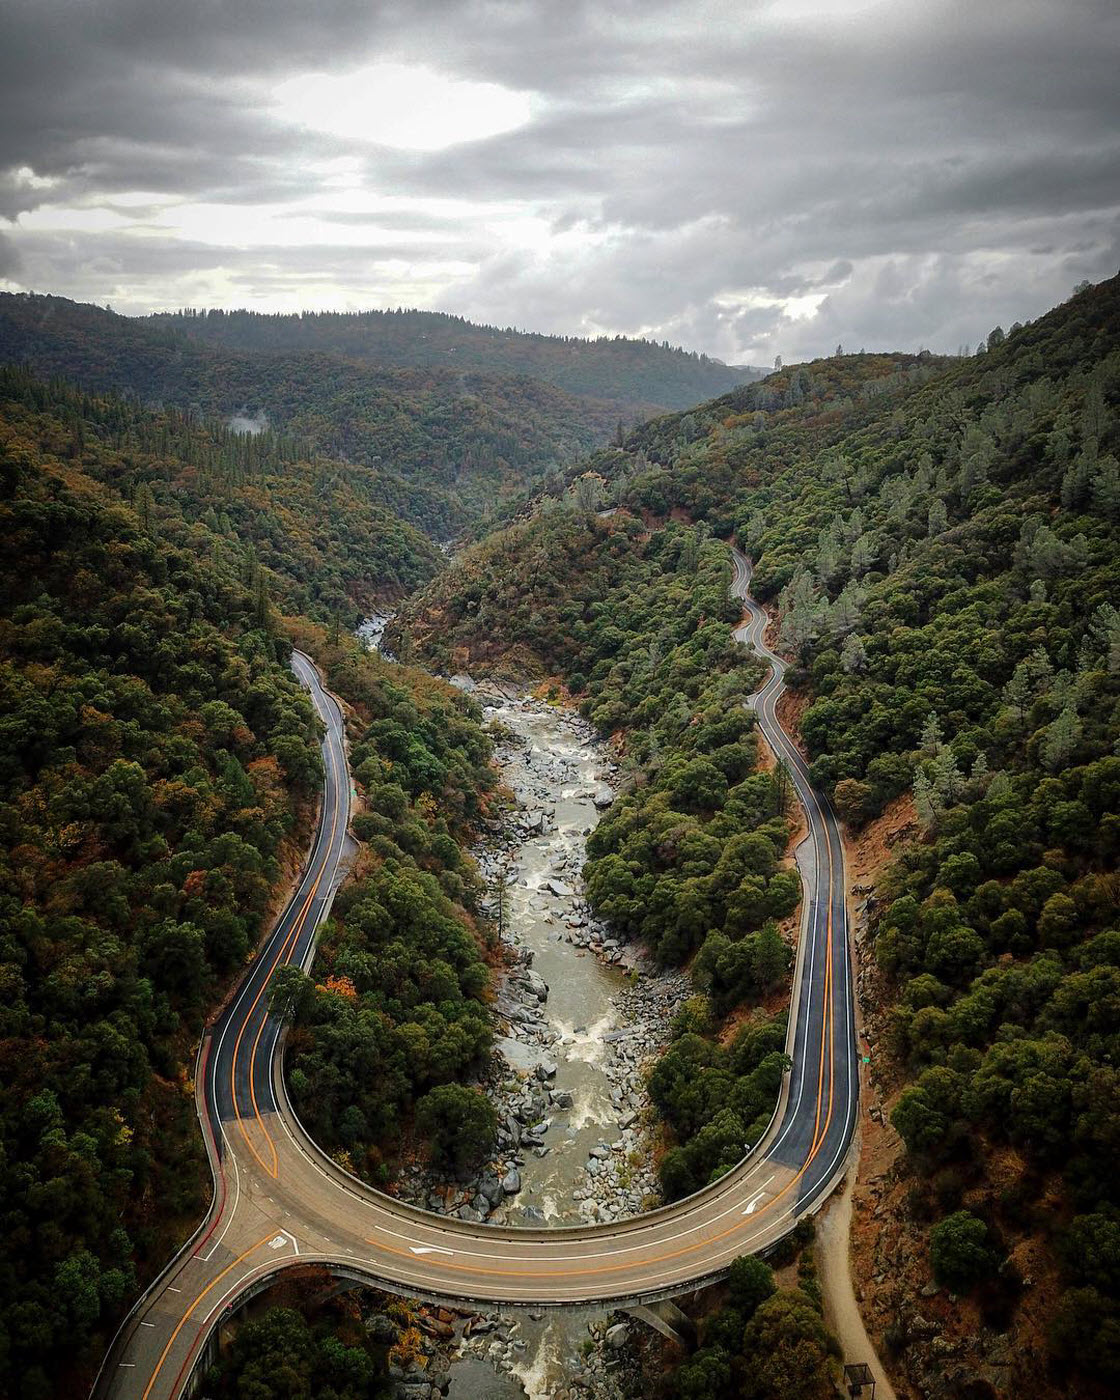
<point>155,755</point>
<point>159,766</point>
<point>317,536</point>
<point>941,545</point>
<point>393,1017</point>
<point>938,540</point>
<point>640,375</point>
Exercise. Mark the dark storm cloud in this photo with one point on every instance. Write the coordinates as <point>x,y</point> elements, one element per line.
<point>912,172</point>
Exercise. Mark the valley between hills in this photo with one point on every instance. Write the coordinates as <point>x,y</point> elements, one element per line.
<point>886,901</point>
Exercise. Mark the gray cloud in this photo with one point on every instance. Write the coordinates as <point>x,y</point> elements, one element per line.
<point>716,172</point>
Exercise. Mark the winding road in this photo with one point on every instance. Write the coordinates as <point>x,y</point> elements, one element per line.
<point>279,1199</point>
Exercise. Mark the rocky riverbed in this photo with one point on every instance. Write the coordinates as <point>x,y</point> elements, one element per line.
<point>579,1014</point>
<point>372,629</point>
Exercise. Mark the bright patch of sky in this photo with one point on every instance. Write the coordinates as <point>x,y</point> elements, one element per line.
<point>396,104</point>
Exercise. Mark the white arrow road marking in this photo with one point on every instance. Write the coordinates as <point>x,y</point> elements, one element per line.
<point>753,1202</point>
<point>428,1249</point>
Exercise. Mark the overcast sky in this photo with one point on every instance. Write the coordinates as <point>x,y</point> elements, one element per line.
<point>744,177</point>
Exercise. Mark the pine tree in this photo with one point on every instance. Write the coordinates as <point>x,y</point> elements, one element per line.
<point>1105,628</point>
<point>1106,489</point>
<point>1060,740</point>
<point>924,801</point>
<point>853,657</point>
<point>946,779</point>
<point>930,739</point>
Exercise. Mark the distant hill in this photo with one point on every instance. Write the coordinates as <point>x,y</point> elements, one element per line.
<point>465,439</point>
<point>641,376</point>
<point>320,537</point>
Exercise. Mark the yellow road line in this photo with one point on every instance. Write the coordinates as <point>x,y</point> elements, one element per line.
<point>182,1321</point>
<point>274,1170</point>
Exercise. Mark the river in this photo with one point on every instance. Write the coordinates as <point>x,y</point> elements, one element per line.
<point>605,1010</point>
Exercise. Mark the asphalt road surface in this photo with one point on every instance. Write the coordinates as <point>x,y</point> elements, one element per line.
<point>278,1199</point>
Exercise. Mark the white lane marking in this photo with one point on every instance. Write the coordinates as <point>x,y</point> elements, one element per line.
<point>428,1249</point>
<point>128,1365</point>
<point>147,1324</point>
<point>173,1290</point>
<point>236,1189</point>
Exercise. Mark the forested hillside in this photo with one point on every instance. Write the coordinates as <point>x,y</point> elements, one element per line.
<point>640,376</point>
<point>156,754</point>
<point>942,545</point>
<point>393,1017</point>
<point>311,533</point>
<point>466,438</point>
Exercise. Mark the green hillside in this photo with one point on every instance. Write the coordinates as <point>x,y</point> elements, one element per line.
<point>464,438</point>
<point>941,543</point>
<point>159,769</point>
<point>639,376</point>
<point>317,536</point>
<point>155,754</point>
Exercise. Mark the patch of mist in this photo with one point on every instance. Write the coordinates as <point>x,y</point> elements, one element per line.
<point>242,423</point>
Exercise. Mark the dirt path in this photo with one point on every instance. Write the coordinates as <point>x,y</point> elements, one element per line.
<point>841,1310</point>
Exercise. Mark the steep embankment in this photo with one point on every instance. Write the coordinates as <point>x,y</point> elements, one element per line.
<point>941,540</point>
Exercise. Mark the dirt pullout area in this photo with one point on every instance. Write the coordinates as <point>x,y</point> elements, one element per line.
<point>935,1346</point>
<point>791,705</point>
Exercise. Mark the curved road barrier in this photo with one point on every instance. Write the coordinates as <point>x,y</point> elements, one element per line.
<point>279,1200</point>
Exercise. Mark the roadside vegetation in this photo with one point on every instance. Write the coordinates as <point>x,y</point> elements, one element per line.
<point>304,1341</point>
<point>763,1342</point>
<point>394,1017</point>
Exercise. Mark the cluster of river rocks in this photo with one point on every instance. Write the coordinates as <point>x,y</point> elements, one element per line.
<point>610,1364</point>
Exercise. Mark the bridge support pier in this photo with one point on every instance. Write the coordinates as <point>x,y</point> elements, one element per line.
<point>665,1317</point>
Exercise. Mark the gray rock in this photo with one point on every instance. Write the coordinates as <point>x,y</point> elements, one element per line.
<point>491,1188</point>
<point>511,1182</point>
